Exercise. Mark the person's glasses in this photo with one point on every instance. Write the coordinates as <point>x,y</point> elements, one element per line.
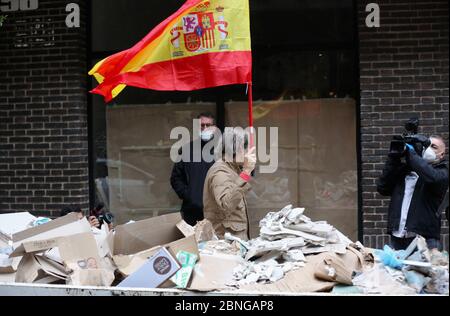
<point>206,125</point>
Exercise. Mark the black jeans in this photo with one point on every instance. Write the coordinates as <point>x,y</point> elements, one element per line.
<point>403,243</point>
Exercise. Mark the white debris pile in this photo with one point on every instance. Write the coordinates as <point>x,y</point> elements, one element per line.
<point>220,246</point>
<point>416,270</point>
<point>285,238</point>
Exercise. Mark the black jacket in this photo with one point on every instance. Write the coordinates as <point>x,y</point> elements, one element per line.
<point>424,217</point>
<point>187,181</point>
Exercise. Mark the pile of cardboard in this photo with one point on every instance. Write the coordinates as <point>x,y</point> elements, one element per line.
<point>69,251</point>
<point>165,252</point>
<point>292,255</point>
<point>52,253</point>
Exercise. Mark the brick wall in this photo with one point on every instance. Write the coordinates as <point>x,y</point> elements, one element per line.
<point>43,115</point>
<point>404,73</point>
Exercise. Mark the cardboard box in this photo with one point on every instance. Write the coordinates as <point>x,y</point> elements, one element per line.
<point>142,235</point>
<point>74,255</point>
<point>64,226</point>
<point>79,251</point>
<point>133,244</point>
<point>79,262</point>
<point>46,236</point>
<point>86,265</point>
<point>154,272</point>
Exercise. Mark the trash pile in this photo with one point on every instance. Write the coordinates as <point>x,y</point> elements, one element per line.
<point>292,254</point>
<point>69,251</point>
<point>416,270</point>
<point>285,238</point>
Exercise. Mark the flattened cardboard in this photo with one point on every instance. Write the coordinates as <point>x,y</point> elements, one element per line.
<point>86,266</point>
<point>54,224</point>
<point>161,267</point>
<point>301,280</point>
<point>333,269</point>
<point>34,246</point>
<point>47,239</point>
<point>213,272</point>
<point>79,251</point>
<point>187,244</point>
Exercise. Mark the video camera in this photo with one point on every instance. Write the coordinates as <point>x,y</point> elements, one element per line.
<point>102,215</point>
<point>410,136</point>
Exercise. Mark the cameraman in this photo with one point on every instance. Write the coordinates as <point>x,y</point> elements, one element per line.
<point>93,221</point>
<point>96,218</point>
<point>417,188</point>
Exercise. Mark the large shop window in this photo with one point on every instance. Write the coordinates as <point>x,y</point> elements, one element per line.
<point>305,84</point>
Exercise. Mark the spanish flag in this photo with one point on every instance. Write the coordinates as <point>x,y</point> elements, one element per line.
<point>206,43</point>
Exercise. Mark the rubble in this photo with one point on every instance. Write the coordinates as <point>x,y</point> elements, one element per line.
<point>204,231</point>
<point>292,254</point>
<point>378,281</point>
<point>416,270</point>
<point>285,238</point>
<point>212,247</point>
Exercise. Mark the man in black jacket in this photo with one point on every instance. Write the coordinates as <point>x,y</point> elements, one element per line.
<point>417,188</point>
<point>188,177</point>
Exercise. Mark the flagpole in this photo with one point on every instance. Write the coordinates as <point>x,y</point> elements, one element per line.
<point>250,113</point>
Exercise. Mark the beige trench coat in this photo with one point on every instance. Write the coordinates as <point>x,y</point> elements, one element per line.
<point>224,203</point>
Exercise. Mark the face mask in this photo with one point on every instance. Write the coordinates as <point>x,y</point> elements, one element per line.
<point>206,135</point>
<point>429,155</point>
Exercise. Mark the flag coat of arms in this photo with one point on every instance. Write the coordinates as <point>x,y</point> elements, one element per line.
<point>206,43</point>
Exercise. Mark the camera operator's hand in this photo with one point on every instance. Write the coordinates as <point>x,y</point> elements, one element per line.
<point>94,221</point>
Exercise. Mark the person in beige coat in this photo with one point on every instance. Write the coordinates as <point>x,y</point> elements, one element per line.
<point>226,184</point>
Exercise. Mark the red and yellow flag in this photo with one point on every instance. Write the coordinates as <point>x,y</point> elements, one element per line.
<point>206,43</point>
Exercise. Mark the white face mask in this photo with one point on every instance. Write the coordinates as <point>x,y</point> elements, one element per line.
<point>206,135</point>
<point>429,155</point>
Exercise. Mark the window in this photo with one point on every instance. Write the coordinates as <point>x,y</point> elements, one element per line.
<point>305,83</point>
